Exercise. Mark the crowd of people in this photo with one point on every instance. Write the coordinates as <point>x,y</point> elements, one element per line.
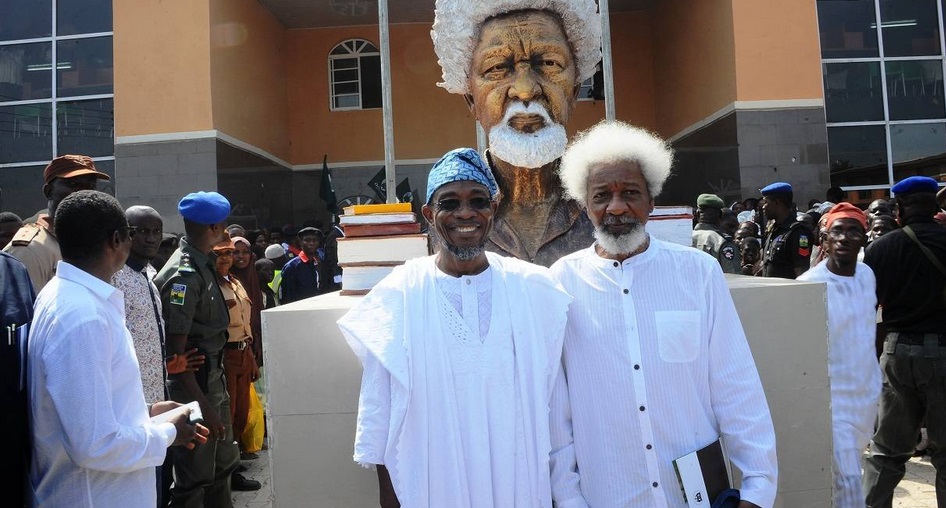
<point>124,322</point>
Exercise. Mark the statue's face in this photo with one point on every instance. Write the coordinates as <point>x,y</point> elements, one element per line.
<point>523,85</point>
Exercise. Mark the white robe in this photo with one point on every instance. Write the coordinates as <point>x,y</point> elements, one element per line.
<point>411,412</point>
<point>854,373</point>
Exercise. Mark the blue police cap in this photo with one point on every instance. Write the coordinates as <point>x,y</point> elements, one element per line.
<point>204,207</point>
<point>461,164</point>
<point>776,188</point>
<point>915,184</point>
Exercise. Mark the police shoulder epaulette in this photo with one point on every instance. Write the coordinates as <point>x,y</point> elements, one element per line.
<point>26,234</point>
<point>185,266</point>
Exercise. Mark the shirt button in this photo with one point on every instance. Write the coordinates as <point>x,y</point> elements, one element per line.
<point>642,408</point>
<point>654,484</point>
<point>649,447</point>
<point>468,281</point>
<point>637,367</point>
<point>626,291</point>
<point>615,264</point>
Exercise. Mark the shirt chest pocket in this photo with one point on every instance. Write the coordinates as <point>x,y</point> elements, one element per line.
<point>678,335</point>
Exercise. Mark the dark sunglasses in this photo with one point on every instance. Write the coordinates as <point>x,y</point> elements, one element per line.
<point>452,204</point>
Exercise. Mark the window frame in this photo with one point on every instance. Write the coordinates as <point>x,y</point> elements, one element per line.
<point>356,49</point>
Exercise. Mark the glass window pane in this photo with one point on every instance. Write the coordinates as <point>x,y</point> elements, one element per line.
<point>917,149</point>
<point>853,92</point>
<point>26,71</point>
<point>86,127</point>
<point>349,75</point>
<point>846,30</point>
<point>22,190</point>
<point>344,63</point>
<point>345,88</point>
<point>915,89</point>
<point>83,16</point>
<point>858,155</point>
<point>85,66</point>
<point>909,28</point>
<point>370,82</point>
<point>25,19</point>
<point>346,101</point>
<point>26,133</point>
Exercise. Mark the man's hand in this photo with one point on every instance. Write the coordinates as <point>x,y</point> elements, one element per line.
<point>213,422</point>
<point>190,361</point>
<point>188,435</point>
<point>254,371</point>
<point>386,488</point>
<point>747,504</point>
<point>163,407</point>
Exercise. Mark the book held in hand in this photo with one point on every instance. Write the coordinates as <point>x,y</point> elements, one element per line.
<point>703,474</point>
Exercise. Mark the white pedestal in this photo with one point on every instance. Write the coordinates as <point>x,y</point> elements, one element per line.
<point>313,382</point>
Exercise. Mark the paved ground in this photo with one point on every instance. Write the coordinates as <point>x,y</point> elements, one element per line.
<point>259,471</point>
<point>915,491</point>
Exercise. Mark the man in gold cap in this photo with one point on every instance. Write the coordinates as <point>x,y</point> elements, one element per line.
<point>35,243</point>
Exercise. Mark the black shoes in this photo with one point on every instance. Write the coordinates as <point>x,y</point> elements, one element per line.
<point>242,484</point>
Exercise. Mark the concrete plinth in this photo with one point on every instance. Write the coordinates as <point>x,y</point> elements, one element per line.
<point>313,383</point>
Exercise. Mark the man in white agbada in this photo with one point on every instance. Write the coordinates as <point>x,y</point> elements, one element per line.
<point>655,361</point>
<point>460,351</point>
<point>852,361</point>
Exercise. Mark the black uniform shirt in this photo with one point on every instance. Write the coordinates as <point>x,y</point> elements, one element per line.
<point>787,246</point>
<point>909,287</point>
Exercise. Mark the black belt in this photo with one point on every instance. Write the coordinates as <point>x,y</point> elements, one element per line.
<point>917,339</point>
<point>235,345</point>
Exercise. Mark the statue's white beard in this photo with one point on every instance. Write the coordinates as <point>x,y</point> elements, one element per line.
<point>527,150</point>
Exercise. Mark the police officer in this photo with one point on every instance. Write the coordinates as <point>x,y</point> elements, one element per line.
<point>787,241</point>
<point>708,237</point>
<point>196,316</point>
<point>35,244</point>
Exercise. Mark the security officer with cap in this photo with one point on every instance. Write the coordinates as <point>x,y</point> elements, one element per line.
<point>787,241</point>
<point>911,291</point>
<point>708,237</point>
<point>196,317</point>
<point>35,244</point>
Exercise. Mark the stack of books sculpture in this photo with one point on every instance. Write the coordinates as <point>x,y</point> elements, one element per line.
<point>378,237</point>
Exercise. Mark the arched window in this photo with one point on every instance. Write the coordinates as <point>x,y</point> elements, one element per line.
<point>355,75</point>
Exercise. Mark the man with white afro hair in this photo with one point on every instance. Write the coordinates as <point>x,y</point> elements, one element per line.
<point>519,65</point>
<point>655,363</point>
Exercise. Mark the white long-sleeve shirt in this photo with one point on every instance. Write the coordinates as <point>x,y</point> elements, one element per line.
<point>656,365</point>
<point>93,445</point>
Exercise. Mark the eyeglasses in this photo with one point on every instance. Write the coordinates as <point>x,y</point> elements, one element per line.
<point>850,234</point>
<point>452,205</point>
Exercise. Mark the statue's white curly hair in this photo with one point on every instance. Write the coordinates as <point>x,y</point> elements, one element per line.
<point>457,26</point>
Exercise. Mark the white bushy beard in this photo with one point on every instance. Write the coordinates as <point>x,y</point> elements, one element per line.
<point>623,244</point>
<point>527,150</point>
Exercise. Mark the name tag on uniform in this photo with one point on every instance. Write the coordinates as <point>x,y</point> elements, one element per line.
<point>177,294</point>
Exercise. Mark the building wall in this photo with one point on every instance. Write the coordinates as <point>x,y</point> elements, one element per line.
<point>777,56</point>
<point>694,61</point>
<point>162,67</point>
<point>248,75</point>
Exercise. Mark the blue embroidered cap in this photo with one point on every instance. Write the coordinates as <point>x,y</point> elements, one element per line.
<point>460,165</point>
<point>204,207</point>
<point>776,188</point>
<point>915,184</point>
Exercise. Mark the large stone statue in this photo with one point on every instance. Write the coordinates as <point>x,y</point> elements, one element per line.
<point>519,64</point>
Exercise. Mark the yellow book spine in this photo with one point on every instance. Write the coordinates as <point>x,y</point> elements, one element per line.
<point>377,208</point>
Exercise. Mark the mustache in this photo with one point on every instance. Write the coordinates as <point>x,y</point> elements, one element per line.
<point>534,108</point>
<point>614,220</point>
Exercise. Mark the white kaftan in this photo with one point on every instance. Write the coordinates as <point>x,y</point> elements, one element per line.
<point>854,373</point>
<point>656,366</point>
<point>467,364</point>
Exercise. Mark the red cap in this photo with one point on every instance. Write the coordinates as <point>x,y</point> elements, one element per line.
<point>71,166</point>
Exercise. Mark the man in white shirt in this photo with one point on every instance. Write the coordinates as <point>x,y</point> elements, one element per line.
<point>852,362</point>
<point>655,361</point>
<point>93,443</point>
<point>460,352</point>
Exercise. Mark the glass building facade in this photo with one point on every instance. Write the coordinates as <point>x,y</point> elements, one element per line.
<point>882,63</point>
<point>56,93</point>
